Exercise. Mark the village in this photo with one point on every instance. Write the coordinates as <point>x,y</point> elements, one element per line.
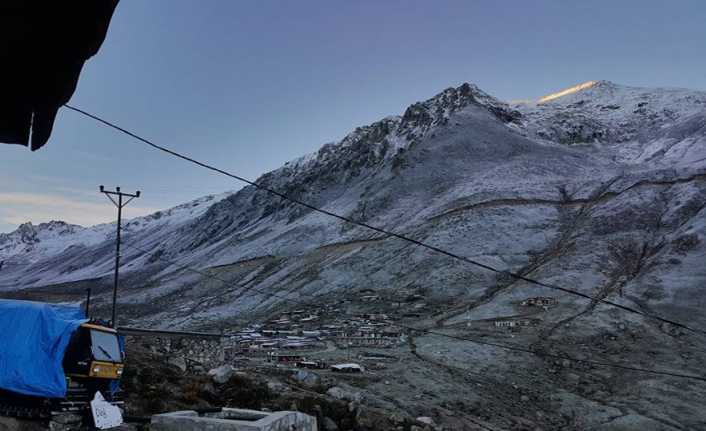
<point>328,337</point>
<point>319,337</point>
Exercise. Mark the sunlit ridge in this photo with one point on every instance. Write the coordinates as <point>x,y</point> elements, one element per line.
<point>570,90</point>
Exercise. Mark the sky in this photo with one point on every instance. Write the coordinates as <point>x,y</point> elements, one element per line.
<point>249,85</point>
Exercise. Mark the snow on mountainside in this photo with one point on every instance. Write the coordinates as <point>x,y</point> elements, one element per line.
<point>600,188</point>
<point>462,170</point>
<point>602,112</point>
<point>32,245</point>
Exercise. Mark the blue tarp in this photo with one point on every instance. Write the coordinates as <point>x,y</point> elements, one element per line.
<point>33,340</point>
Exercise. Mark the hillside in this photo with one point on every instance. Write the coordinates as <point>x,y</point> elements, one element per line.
<point>461,170</point>
<point>600,188</point>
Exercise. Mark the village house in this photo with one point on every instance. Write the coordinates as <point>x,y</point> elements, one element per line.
<point>514,323</point>
<point>315,365</point>
<point>539,301</point>
<point>284,358</point>
<point>369,336</point>
<point>312,334</point>
<point>347,368</point>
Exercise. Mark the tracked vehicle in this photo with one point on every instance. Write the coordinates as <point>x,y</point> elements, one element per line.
<point>53,359</point>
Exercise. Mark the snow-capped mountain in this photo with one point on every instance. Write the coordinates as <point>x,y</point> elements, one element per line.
<point>601,112</point>
<point>36,246</point>
<point>600,188</point>
<point>563,189</point>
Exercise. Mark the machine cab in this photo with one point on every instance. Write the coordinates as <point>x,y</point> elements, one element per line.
<point>94,352</point>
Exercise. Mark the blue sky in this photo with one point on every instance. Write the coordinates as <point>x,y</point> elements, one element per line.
<point>248,85</point>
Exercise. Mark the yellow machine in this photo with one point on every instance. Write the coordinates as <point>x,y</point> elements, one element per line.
<point>93,362</point>
<point>105,360</point>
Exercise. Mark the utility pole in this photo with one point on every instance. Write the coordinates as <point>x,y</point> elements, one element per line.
<point>119,204</point>
<point>88,303</point>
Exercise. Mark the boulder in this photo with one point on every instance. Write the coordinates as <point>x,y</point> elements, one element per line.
<point>67,418</point>
<point>178,362</point>
<point>426,420</point>
<point>397,418</point>
<point>344,394</point>
<point>307,378</point>
<point>222,374</point>
<point>12,424</point>
<point>277,387</point>
<point>329,425</point>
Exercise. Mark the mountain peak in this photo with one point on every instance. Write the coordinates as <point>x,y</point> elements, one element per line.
<point>436,110</point>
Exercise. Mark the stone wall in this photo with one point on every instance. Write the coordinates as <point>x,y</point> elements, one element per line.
<point>194,354</point>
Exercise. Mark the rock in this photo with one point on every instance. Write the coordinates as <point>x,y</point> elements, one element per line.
<point>396,418</point>
<point>12,424</point>
<point>371,419</point>
<point>426,420</point>
<point>178,362</point>
<point>343,394</point>
<point>353,406</point>
<point>277,387</point>
<point>65,422</point>
<point>210,389</point>
<point>328,424</point>
<point>524,398</point>
<point>9,424</point>
<point>222,374</point>
<point>307,378</point>
<point>573,378</point>
<point>632,422</point>
<point>66,418</point>
<point>602,395</point>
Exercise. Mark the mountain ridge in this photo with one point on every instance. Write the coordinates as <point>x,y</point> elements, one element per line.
<point>347,174</point>
<point>601,191</point>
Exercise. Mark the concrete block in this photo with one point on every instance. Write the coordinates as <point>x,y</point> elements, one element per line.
<point>233,420</point>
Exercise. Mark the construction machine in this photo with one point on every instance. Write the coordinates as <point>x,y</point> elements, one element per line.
<point>53,359</point>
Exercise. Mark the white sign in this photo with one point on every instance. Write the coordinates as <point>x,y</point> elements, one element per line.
<point>105,415</point>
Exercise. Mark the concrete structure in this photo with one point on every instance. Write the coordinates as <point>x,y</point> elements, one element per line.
<point>233,420</point>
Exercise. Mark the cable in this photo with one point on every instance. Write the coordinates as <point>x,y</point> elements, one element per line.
<point>441,334</point>
<point>386,232</point>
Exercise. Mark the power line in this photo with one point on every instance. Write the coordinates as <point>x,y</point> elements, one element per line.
<point>442,334</point>
<point>386,232</point>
